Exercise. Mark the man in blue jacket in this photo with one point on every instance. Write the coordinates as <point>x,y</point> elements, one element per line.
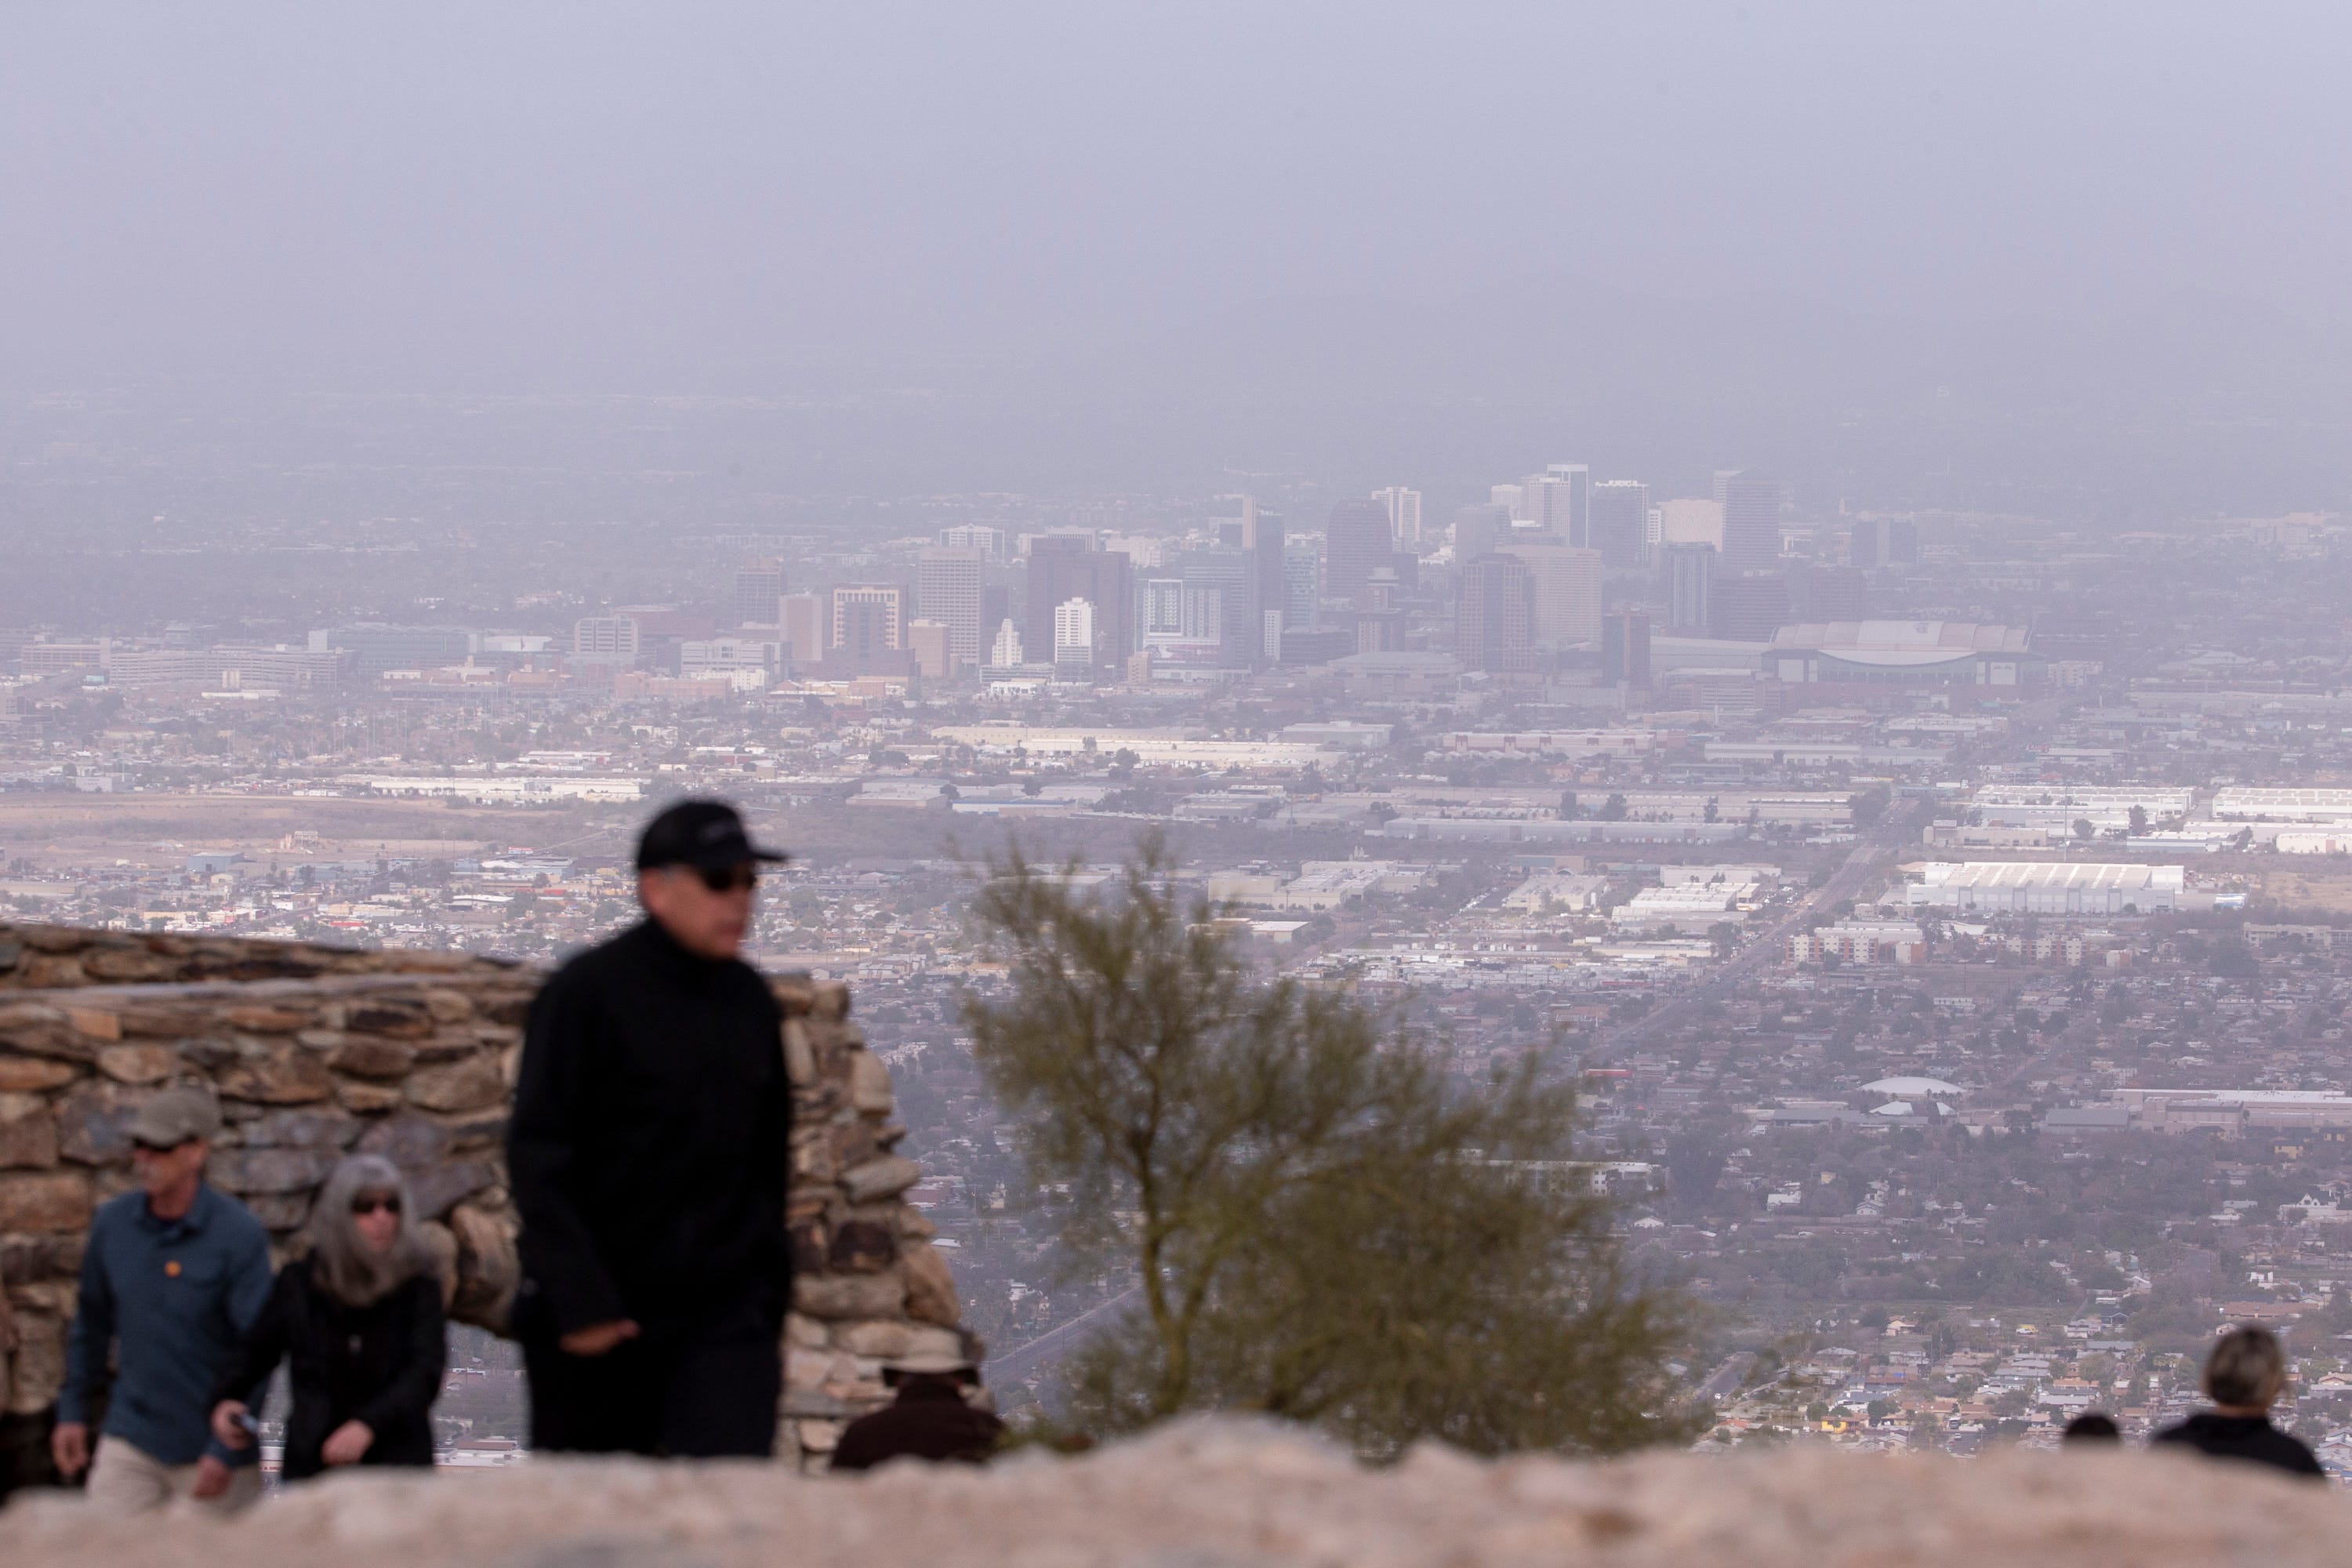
<point>171,1279</point>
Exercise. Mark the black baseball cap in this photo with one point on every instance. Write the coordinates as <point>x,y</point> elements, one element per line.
<point>707,835</point>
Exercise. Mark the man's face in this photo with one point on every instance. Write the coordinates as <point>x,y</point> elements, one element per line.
<point>708,921</point>
<point>163,1171</point>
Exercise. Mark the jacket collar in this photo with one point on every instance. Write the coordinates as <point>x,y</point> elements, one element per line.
<point>192,1223</point>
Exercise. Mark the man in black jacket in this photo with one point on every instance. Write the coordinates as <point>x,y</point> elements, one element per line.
<point>649,1156</point>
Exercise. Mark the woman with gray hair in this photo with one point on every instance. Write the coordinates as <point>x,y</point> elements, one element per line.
<point>358,1318</point>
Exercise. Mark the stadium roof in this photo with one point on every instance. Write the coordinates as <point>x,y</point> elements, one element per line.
<point>1896,643</point>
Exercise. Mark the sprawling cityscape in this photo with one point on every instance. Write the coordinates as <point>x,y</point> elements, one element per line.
<point>1942,938</point>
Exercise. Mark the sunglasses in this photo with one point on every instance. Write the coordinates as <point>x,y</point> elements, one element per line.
<point>144,1147</point>
<point>728,879</point>
<point>389,1204</point>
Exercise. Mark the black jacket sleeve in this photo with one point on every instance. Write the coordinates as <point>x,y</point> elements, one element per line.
<point>409,1396</point>
<point>260,1350</point>
<point>551,1103</point>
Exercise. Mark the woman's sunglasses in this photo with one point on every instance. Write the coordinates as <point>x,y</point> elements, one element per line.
<point>389,1204</point>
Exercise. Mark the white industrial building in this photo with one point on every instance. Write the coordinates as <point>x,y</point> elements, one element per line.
<point>2042,887</point>
<point>1692,907</point>
<point>2057,808</point>
<point>1565,888</point>
<point>2239,802</point>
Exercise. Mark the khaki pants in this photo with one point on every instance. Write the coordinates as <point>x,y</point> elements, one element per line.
<point>126,1479</point>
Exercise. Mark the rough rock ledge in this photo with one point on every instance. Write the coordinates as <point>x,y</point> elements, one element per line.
<point>1225,1494</point>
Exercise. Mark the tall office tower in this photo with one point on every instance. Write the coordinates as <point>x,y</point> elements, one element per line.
<point>1006,651</point>
<point>949,583</point>
<point>995,603</point>
<point>1572,501</point>
<point>1620,525</point>
<point>1073,640</point>
<point>1234,574</point>
<point>931,644</point>
<point>1689,572</point>
<point>758,585</point>
<point>1163,616</point>
<point>1405,516</point>
<point>866,621</point>
<point>1827,593</point>
<point>1380,623</point>
<point>1480,531</point>
<point>805,626</point>
<point>1200,617</point>
<point>1566,593</point>
<point>1884,541</point>
<point>1625,648</point>
<point>1506,497</point>
<point>990,542</point>
<point>1356,541</point>
<point>604,638</point>
<point>1065,566</point>
<point>1494,627</point>
<point>1302,583</point>
<point>1752,519</point>
<point>1262,536</point>
<point>1748,607</point>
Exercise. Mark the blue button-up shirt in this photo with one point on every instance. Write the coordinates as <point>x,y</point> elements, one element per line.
<point>171,1298</point>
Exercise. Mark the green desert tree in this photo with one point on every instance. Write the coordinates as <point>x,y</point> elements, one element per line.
<point>1318,1224</point>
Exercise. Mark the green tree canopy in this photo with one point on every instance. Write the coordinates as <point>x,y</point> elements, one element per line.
<point>1319,1225</point>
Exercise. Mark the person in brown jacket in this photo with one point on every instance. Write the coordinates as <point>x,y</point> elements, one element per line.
<point>932,1418</point>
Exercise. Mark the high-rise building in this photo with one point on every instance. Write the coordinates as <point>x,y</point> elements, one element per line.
<point>1566,593</point>
<point>1752,519</point>
<point>949,583</point>
<point>1748,606</point>
<point>758,585</point>
<point>867,621</point>
<point>1689,572</point>
<point>1620,522</point>
<point>1403,506</point>
<point>1884,541</point>
<point>1162,609</point>
<point>1065,566</point>
<point>931,643</point>
<point>1234,574</point>
<point>1263,538</point>
<point>1302,585</point>
<point>1828,594</point>
<point>1625,648</point>
<point>1006,651</point>
<point>1073,640</point>
<point>1495,618</point>
<point>1356,541</point>
<point>1480,529</point>
<point>605,638</point>
<point>805,626</point>
<point>990,542</point>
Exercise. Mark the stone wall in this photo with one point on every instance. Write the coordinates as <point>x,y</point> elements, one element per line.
<point>315,1052</point>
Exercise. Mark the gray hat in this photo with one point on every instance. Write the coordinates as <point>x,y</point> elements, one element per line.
<point>173,1117</point>
<point>934,1364</point>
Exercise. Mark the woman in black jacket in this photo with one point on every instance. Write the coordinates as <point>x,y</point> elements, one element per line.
<point>359,1320</point>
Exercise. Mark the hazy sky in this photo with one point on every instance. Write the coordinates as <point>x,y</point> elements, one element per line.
<point>430,193</point>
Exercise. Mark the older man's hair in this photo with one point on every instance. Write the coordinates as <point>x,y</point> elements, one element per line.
<point>346,1267</point>
<point>2247,1367</point>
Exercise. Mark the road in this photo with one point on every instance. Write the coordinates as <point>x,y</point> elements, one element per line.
<point>1016,1365</point>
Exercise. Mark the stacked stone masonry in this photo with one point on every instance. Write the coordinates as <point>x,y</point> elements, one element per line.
<point>315,1052</point>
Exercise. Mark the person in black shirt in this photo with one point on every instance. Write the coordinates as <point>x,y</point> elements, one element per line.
<point>359,1321</point>
<point>648,1156</point>
<point>932,1418</point>
<point>2244,1376</point>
